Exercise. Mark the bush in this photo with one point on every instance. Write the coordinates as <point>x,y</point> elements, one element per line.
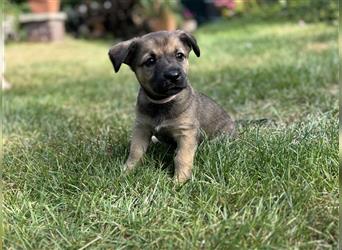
<point>312,11</point>
<point>307,10</point>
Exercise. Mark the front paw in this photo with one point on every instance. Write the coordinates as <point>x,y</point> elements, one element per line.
<point>126,168</point>
<point>182,177</point>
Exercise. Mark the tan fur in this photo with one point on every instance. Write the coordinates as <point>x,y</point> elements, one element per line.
<point>183,128</point>
<point>185,118</point>
<point>171,46</point>
<point>140,141</point>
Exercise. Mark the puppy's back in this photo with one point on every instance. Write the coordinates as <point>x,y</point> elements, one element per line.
<point>213,119</point>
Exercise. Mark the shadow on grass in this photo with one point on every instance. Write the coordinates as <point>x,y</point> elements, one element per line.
<point>161,156</point>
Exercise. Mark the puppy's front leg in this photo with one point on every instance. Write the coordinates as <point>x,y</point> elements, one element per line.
<point>186,148</point>
<point>140,141</point>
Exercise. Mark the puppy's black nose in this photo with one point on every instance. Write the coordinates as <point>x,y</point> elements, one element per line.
<point>172,75</point>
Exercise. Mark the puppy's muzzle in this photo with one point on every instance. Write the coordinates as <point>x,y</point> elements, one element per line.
<point>174,78</point>
<point>173,75</point>
<point>169,81</point>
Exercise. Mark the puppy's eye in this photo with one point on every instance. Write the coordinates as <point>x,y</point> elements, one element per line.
<point>180,56</point>
<point>150,61</point>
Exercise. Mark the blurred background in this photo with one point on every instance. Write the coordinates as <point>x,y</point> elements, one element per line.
<point>50,20</point>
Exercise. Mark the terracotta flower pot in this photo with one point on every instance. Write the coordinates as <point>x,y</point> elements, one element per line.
<point>43,6</point>
<point>166,21</point>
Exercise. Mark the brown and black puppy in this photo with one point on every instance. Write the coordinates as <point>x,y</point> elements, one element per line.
<point>168,108</point>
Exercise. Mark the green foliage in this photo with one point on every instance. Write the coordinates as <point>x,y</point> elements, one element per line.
<point>307,10</point>
<point>154,8</point>
<point>15,7</point>
<point>312,11</point>
<point>67,125</point>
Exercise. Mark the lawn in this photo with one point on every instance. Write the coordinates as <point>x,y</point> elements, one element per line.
<point>67,124</point>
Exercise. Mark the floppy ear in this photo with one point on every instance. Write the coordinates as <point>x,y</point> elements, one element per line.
<point>190,40</point>
<point>122,53</point>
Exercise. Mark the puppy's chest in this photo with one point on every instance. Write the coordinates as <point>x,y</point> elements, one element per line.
<point>162,126</point>
<point>164,133</point>
<point>172,127</point>
<point>167,120</point>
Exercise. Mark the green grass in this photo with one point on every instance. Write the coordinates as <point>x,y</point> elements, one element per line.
<point>67,124</point>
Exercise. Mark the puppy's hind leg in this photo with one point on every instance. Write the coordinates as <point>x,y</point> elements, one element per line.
<point>140,141</point>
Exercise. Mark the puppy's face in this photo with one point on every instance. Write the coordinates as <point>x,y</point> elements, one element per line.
<point>159,60</point>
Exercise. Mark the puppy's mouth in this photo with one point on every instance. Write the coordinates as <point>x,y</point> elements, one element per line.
<point>175,90</point>
<point>167,89</point>
<point>170,90</point>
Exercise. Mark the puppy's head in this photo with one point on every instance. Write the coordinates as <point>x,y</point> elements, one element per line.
<point>159,60</point>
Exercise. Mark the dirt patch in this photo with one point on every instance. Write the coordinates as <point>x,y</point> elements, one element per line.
<point>317,47</point>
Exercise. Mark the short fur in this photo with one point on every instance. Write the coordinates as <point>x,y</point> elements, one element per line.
<point>181,120</point>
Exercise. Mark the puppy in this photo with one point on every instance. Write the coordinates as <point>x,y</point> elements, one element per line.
<point>167,105</point>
